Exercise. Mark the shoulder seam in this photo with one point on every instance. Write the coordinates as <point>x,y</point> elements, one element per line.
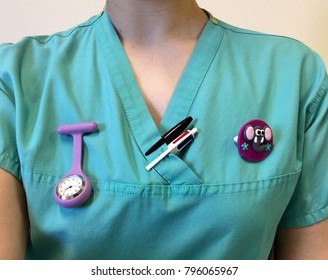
<point>321,92</point>
<point>253,32</point>
<point>66,33</point>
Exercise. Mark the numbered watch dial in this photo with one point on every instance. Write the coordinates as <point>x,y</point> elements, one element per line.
<point>70,187</point>
<point>72,190</point>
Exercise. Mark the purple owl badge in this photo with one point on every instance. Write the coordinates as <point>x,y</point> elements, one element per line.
<point>254,141</point>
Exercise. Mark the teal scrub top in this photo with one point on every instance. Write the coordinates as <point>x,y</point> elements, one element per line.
<point>205,202</point>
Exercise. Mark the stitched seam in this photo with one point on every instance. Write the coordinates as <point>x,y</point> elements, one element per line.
<point>242,31</point>
<point>67,33</point>
<point>320,94</point>
<point>302,215</point>
<point>10,158</point>
<point>176,185</point>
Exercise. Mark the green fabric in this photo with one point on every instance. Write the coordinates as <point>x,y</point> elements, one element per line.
<point>204,203</point>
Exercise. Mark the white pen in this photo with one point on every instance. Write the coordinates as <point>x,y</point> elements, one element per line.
<point>175,146</point>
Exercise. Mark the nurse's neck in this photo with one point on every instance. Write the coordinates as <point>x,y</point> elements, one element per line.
<point>158,37</point>
<point>150,21</point>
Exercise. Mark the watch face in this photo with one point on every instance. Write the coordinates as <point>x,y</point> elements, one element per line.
<point>70,187</point>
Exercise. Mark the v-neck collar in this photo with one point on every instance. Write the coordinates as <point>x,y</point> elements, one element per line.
<point>122,76</point>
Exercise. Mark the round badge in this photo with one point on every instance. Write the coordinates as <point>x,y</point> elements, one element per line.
<point>255,140</point>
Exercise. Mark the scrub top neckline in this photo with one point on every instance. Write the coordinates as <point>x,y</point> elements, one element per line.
<point>123,79</point>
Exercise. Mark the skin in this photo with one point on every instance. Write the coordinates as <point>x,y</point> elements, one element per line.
<point>304,243</point>
<point>13,218</point>
<point>158,37</point>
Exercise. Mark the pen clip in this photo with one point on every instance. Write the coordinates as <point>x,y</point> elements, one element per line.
<point>175,146</point>
<point>172,134</point>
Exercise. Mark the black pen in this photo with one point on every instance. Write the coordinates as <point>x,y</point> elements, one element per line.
<point>172,134</point>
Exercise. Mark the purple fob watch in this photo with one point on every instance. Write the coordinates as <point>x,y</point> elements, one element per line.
<point>74,188</point>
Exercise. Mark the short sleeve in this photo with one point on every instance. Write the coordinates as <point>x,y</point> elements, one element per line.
<point>309,203</point>
<point>9,159</point>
